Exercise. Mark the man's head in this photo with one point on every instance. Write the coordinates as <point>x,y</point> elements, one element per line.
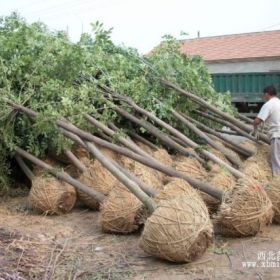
<point>269,92</point>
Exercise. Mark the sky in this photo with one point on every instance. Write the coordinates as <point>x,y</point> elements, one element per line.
<point>142,23</point>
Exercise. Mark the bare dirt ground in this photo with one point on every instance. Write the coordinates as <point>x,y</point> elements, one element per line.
<point>72,246</point>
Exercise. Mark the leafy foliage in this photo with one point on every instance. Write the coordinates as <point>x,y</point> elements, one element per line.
<point>47,72</point>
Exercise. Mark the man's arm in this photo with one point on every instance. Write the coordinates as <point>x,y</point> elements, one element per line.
<point>257,122</point>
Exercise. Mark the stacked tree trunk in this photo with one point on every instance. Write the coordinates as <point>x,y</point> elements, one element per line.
<point>128,183</point>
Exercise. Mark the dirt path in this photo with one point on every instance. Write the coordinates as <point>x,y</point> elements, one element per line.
<point>73,247</point>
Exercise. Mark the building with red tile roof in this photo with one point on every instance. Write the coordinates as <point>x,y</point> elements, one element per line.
<point>240,63</point>
<point>235,47</point>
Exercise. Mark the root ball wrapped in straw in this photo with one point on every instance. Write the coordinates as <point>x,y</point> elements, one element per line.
<point>146,174</point>
<point>96,177</point>
<point>247,144</point>
<point>245,210</point>
<point>220,179</point>
<point>258,166</point>
<point>51,196</point>
<point>165,158</point>
<point>273,191</point>
<point>228,150</point>
<point>179,230</point>
<point>190,166</point>
<point>175,188</point>
<point>121,212</point>
<point>144,147</point>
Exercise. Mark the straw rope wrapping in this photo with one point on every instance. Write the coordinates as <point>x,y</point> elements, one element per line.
<point>220,179</point>
<point>144,147</point>
<point>96,177</point>
<point>190,166</point>
<point>164,157</point>
<point>175,188</point>
<point>258,166</point>
<point>230,151</point>
<point>219,155</point>
<point>121,212</point>
<point>179,230</point>
<point>247,144</point>
<point>245,210</point>
<point>147,175</point>
<point>273,191</point>
<point>81,152</point>
<point>51,196</point>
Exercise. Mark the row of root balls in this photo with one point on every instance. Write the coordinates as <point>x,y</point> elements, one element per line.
<point>180,229</point>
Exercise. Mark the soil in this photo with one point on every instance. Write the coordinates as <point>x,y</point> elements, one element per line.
<point>72,246</point>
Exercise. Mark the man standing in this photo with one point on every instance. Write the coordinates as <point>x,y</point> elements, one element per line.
<point>270,113</point>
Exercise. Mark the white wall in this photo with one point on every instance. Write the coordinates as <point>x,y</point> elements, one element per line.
<point>244,66</point>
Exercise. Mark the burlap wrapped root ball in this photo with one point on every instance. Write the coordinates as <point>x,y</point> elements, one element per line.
<point>245,210</point>
<point>165,158</point>
<point>121,212</point>
<point>179,230</point>
<point>228,150</point>
<point>81,152</point>
<point>219,155</point>
<point>220,179</point>
<point>258,167</point>
<point>51,196</point>
<point>175,188</point>
<point>144,147</point>
<point>273,191</point>
<point>96,177</point>
<point>190,166</point>
<point>147,175</point>
<point>250,145</point>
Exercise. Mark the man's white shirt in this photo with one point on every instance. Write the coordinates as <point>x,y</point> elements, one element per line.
<point>270,113</point>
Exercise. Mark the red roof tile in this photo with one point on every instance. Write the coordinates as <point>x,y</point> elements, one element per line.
<point>235,47</point>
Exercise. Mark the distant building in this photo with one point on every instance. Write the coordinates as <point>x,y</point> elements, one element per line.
<point>240,63</point>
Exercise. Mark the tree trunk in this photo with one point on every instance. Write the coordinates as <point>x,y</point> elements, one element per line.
<point>142,140</point>
<point>245,119</point>
<point>147,189</point>
<point>157,120</point>
<point>61,175</point>
<point>213,109</point>
<point>75,161</point>
<point>229,132</point>
<point>228,124</point>
<point>155,164</point>
<point>67,127</point>
<point>131,185</point>
<point>236,147</point>
<point>215,159</point>
<point>111,133</point>
<point>157,133</point>
<point>209,141</point>
<point>26,170</point>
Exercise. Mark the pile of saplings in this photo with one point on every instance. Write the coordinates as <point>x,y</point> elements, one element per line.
<point>136,137</point>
